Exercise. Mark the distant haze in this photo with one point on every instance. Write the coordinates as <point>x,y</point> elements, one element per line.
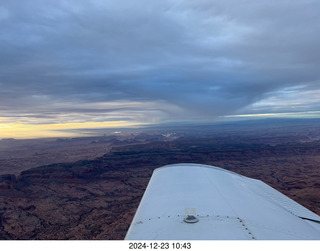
<point>72,64</point>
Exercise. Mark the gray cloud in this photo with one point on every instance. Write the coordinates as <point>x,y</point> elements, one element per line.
<point>189,59</point>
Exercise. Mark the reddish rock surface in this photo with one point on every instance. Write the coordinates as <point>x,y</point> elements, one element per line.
<point>96,199</point>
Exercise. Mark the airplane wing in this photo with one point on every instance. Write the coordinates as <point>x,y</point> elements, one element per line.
<point>200,202</point>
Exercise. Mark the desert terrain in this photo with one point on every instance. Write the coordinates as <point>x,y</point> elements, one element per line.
<point>90,188</point>
<point>19,155</point>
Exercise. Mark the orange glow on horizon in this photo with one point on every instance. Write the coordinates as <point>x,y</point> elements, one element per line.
<point>25,131</point>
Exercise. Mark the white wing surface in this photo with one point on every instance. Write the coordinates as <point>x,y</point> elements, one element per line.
<point>200,202</point>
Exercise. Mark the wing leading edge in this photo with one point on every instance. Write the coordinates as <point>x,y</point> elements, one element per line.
<point>200,202</point>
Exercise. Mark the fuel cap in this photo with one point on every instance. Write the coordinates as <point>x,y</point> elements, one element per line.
<point>191,219</point>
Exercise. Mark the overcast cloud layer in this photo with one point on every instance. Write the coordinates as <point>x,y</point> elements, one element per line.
<point>154,61</point>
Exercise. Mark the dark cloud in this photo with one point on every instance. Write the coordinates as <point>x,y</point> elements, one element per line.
<point>170,60</point>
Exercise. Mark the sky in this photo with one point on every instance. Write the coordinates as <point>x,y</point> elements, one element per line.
<point>80,64</point>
